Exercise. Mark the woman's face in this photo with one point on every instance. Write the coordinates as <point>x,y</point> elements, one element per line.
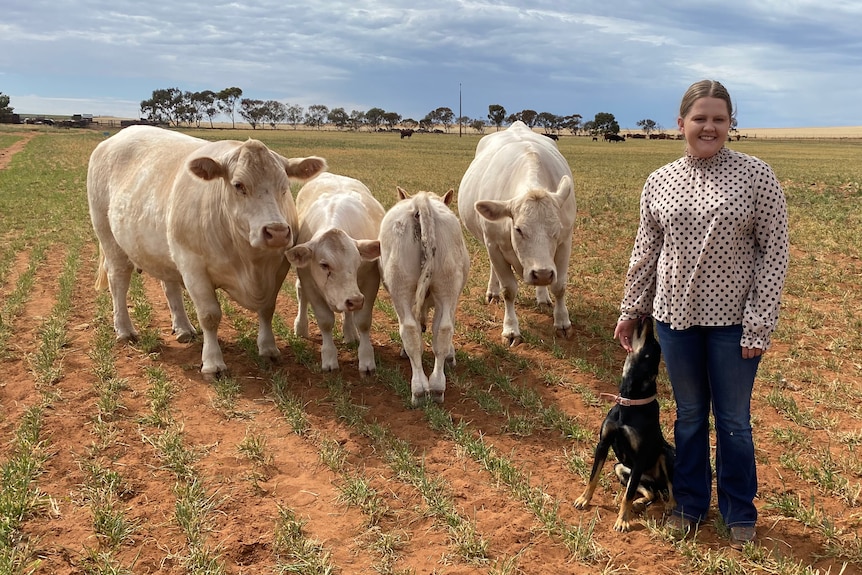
<point>705,127</point>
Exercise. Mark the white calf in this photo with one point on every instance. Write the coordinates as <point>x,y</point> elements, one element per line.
<point>425,264</point>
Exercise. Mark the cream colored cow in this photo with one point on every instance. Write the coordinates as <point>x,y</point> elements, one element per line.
<point>195,214</point>
<point>335,260</point>
<point>517,197</point>
<point>425,264</point>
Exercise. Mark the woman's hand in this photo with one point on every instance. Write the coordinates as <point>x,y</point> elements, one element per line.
<point>751,352</point>
<point>623,332</point>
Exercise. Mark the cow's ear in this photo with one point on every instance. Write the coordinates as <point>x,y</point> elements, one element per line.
<point>303,169</point>
<point>299,256</point>
<point>206,168</point>
<point>493,210</point>
<point>368,249</point>
<point>402,193</point>
<point>447,197</point>
<point>564,189</point>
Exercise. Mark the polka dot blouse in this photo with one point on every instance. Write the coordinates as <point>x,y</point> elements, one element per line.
<point>712,246</point>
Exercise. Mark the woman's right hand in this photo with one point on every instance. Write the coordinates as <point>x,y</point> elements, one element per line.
<point>624,331</point>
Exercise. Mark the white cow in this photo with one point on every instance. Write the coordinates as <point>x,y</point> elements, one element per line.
<point>517,197</point>
<point>425,264</point>
<point>335,260</point>
<point>195,214</point>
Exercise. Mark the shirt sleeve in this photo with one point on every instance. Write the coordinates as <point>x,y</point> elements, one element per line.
<point>772,257</point>
<point>640,286</point>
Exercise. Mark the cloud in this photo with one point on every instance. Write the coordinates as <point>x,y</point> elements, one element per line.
<point>576,57</point>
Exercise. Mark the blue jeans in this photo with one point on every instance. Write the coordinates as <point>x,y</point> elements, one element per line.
<point>706,368</point>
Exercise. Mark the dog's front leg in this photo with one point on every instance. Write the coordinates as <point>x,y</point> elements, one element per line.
<point>623,522</point>
<point>598,462</point>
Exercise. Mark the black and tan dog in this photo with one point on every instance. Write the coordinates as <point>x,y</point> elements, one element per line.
<point>633,429</point>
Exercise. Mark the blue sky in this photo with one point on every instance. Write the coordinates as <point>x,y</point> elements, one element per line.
<point>787,63</point>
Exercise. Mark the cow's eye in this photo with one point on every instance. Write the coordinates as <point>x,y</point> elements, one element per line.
<point>324,266</point>
<point>240,187</point>
<point>519,231</point>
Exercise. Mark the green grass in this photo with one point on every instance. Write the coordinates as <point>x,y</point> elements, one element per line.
<point>807,399</point>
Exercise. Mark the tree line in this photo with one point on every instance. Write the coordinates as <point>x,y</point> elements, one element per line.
<point>173,106</point>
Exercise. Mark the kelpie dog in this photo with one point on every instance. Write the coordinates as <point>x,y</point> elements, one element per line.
<point>632,428</point>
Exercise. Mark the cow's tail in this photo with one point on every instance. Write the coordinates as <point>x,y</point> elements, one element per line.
<point>428,242</point>
<point>101,272</point>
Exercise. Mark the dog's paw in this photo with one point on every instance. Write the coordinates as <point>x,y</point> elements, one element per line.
<point>581,502</point>
<point>622,525</point>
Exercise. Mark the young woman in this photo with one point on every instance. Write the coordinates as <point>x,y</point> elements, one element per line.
<point>709,263</point>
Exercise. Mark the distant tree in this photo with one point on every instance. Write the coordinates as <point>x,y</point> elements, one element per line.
<point>227,101</point>
<point>252,111</point>
<point>496,115</point>
<point>590,127</point>
<point>205,105</point>
<point>165,106</point>
<point>529,117</point>
<point>274,113</point>
<point>338,118</point>
<point>293,114</point>
<point>374,117</point>
<point>478,125</point>
<point>357,120</point>
<point>605,123</point>
<point>410,123</point>
<point>552,123</point>
<point>5,108</point>
<point>442,116</point>
<point>316,115</point>
<point>648,126</point>
<point>572,123</point>
<point>392,119</point>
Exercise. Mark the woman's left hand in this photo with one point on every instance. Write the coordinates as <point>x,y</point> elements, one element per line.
<point>751,352</point>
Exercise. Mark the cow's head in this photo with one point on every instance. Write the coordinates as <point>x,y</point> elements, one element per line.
<point>255,190</point>
<point>332,259</point>
<point>534,225</point>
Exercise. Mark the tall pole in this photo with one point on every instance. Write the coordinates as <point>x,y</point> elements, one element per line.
<point>459,110</point>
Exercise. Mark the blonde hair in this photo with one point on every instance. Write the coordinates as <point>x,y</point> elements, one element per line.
<point>705,89</point>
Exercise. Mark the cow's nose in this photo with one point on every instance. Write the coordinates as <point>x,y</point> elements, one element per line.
<point>354,303</point>
<point>276,235</point>
<point>541,277</point>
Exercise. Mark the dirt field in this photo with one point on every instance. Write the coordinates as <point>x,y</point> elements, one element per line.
<point>246,495</point>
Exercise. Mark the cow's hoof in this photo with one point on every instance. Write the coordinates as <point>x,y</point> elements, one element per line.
<point>368,371</point>
<point>436,396</point>
<point>565,332</point>
<point>512,340</point>
<point>185,336</point>
<point>214,376</point>
<point>492,297</point>
<point>131,337</point>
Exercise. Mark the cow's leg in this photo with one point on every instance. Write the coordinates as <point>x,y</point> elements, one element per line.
<point>266,346</point>
<point>443,332</point>
<point>543,297</point>
<point>493,291</point>
<point>369,285</point>
<point>300,324</point>
<point>562,323</point>
<point>509,284</point>
<point>411,340</point>
<point>120,269</point>
<point>208,309</point>
<point>326,321</point>
<point>348,327</point>
<point>180,323</point>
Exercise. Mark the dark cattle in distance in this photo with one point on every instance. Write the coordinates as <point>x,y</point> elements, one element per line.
<point>406,133</point>
<point>609,137</point>
<point>552,136</point>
